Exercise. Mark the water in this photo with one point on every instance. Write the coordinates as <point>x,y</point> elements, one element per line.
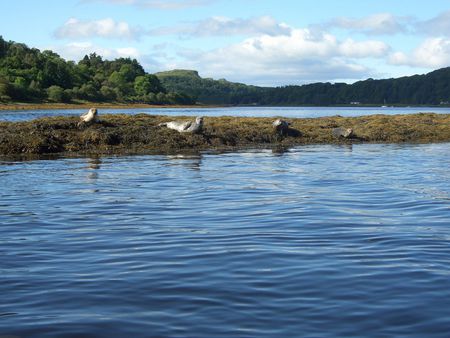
<point>292,112</point>
<point>318,241</point>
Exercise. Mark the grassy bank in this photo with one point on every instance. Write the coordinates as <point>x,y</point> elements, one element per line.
<point>140,133</point>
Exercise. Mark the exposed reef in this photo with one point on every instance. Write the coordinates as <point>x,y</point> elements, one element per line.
<point>116,134</point>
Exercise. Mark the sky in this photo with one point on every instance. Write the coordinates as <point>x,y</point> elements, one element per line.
<point>260,42</point>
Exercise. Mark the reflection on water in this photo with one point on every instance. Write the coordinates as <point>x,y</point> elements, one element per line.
<point>93,164</point>
<point>279,150</point>
<point>189,161</point>
<point>314,241</point>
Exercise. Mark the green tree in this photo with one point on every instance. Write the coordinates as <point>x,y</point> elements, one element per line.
<point>108,93</point>
<point>5,90</point>
<point>3,47</point>
<point>146,84</point>
<point>56,94</point>
<point>89,92</point>
<point>118,80</point>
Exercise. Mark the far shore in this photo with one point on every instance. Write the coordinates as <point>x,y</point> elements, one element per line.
<point>87,105</point>
<point>140,133</point>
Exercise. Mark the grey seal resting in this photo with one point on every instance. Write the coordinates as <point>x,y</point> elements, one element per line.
<point>90,116</point>
<point>281,126</point>
<point>186,126</point>
<point>342,132</point>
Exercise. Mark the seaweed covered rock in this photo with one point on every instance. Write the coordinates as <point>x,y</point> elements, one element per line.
<point>141,133</point>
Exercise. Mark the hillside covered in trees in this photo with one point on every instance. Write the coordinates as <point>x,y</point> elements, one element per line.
<point>430,89</point>
<point>29,75</point>
<point>209,91</point>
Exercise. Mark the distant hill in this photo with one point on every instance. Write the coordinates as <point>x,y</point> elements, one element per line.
<point>209,91</point>
<point>429,89</point>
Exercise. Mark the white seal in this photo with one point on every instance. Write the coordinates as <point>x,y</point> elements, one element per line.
<point>90,116</point>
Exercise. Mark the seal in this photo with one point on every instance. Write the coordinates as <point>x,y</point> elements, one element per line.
<point>342,132</point>
<point>194,127</point>
<point>90,116</point>
<point>281,126</point>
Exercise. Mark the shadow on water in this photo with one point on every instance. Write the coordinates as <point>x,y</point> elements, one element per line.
<point>11,159</point>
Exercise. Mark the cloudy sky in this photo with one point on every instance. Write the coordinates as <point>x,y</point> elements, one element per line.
<point>262,42</point>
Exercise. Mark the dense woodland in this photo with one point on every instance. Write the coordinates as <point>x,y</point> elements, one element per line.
<point>430,89</point>
<point>29,75</point>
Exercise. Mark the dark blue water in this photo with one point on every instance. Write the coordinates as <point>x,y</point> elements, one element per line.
<point>318,241</point>
<point>292,112</point>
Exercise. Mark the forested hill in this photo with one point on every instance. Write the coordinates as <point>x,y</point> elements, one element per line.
<point>430,89</point>
<point>29,75</point>
<point>209,91</point>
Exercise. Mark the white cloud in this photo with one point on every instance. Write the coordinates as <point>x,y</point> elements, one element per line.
<point>214,26</point>
<point>437,26</point>
<point>105,28</point>
<point>295,58</point>
<point>77,50</point>
<point>158,4</point>
<point>363,49</point>
<point>431,53</point>
<point>223,26</point>
<point>376,24</point>
<point>174,5</point>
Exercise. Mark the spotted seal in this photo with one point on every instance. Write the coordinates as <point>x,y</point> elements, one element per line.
<point>342,132</point>
<point>281,126</point>
<point>194,127</point>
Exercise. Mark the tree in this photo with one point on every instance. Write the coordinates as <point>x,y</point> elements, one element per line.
<point>56,94</point>
<point>89,92</point>
<point>5,90</point>
<point>147,84</point>
<point>108,93</point>
<point>3,47</point>
<point>118,81</point>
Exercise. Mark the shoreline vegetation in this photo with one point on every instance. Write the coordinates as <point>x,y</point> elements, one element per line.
<point>87,105</point>
<point>139,134</point>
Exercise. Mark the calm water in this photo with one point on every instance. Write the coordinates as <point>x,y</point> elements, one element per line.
<point>14,115</point>
<point>318,241</point>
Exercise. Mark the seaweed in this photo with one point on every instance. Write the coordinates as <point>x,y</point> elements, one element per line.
<point>115,134</point>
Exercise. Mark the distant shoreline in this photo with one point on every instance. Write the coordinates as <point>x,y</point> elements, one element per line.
<point>54,106</point>
<point>50,106</point>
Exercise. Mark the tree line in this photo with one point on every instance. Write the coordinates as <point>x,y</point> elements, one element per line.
<point>429,89</point>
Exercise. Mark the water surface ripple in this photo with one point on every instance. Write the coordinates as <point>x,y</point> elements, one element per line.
<point>318,241</point>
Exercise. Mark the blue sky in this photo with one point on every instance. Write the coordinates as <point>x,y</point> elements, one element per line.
<point>262,42</point>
